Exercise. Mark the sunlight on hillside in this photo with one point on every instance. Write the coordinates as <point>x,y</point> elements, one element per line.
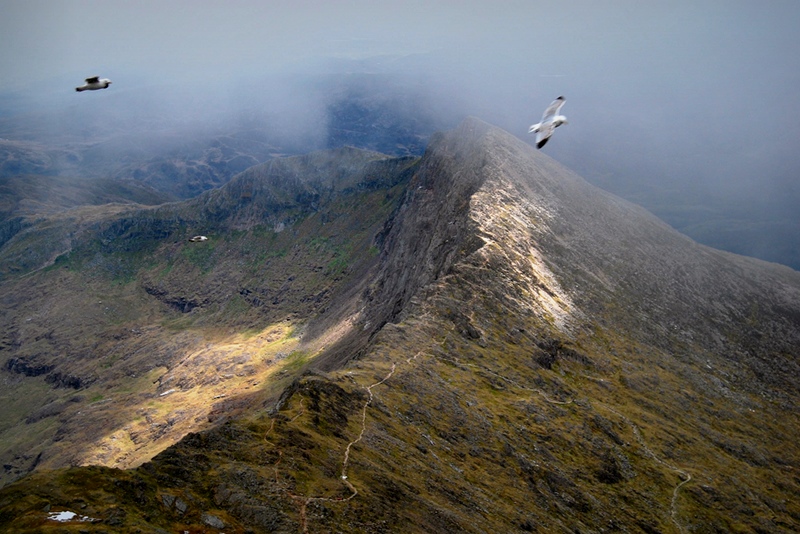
<point>216,378</point>
<point>510,226</point>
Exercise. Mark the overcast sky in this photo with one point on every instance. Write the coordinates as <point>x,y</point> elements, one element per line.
<point>653,63</point>
<point>674,93</point>
<point>705,40</point>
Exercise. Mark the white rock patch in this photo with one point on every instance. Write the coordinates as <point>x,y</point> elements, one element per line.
<point>67,515</point>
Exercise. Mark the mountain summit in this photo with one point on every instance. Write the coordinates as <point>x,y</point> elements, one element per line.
<point>474,341</point>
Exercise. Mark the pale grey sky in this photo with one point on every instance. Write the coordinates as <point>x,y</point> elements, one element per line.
<point>202,37</point>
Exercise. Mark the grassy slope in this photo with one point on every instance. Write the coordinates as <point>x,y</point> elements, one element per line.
<point>504,432</point>
<point>519,390</point>
<point>162,336</point>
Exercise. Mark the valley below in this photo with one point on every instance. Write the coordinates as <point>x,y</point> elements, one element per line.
<point>469,339</point>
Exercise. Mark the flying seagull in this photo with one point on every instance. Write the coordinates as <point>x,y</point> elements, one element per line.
<point>94,83</point>
<point>550,121</point>
<point>198,238</point>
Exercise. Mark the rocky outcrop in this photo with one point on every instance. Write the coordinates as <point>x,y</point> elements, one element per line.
<point>179,303</point>
<point>27,368</point>
<point>432,229</point>
<point>9,227</point>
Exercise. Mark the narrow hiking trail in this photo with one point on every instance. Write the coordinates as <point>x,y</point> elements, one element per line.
<point>303,501</point>
<point>686,477</point>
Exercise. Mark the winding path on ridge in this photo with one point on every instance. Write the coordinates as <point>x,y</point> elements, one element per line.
<point>685,476</point>
<point>304,500</point>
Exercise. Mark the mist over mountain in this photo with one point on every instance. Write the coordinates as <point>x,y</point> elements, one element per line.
<point>182,140</point>
<point>476,340</point>
<point>400,317</point>
<point>181,144</point>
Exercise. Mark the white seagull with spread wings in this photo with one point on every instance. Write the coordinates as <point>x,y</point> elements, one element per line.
<point>550,121</point>
<point>94,83</point>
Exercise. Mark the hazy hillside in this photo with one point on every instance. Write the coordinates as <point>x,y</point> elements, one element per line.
<point>181,145</point>
<point>473,341</point>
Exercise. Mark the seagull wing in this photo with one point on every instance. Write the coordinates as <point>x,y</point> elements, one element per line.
<point>553,109</point>
<point>93,79</point>
<point>544,134</point>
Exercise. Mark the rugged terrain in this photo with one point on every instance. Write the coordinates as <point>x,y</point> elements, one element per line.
<point>474,341</point>
<point>114,308</point>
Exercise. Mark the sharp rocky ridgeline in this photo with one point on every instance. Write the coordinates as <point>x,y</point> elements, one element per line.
<point>474,341</point>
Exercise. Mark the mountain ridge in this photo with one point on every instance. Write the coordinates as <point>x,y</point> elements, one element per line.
<point>521,352</point>
<point>148,301</point>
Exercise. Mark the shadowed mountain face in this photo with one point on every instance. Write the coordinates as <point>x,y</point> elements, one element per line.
<point>476,341</point>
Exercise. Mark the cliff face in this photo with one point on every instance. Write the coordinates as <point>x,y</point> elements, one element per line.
<point>523,353</point>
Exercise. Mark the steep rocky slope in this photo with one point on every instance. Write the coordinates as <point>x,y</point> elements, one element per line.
<point>526,353</point>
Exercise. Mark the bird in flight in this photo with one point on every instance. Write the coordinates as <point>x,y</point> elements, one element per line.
<point>198,239</point>
<point>94,83</point>
<point>550,121</point>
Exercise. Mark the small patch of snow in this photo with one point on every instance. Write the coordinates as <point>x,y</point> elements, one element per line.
<point>62,516</point>
<point>67,515</point>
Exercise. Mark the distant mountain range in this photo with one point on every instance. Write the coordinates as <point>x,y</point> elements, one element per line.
<point>141,138</point>
<point>474,340</point>
<point>180,143</point>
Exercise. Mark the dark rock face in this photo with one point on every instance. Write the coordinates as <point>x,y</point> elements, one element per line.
<point>11,227</point>
<point>62,380</point>
<point>432,229</point>
<point>56,378</point>
<point>19,365</point>
<point>179,303</point>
